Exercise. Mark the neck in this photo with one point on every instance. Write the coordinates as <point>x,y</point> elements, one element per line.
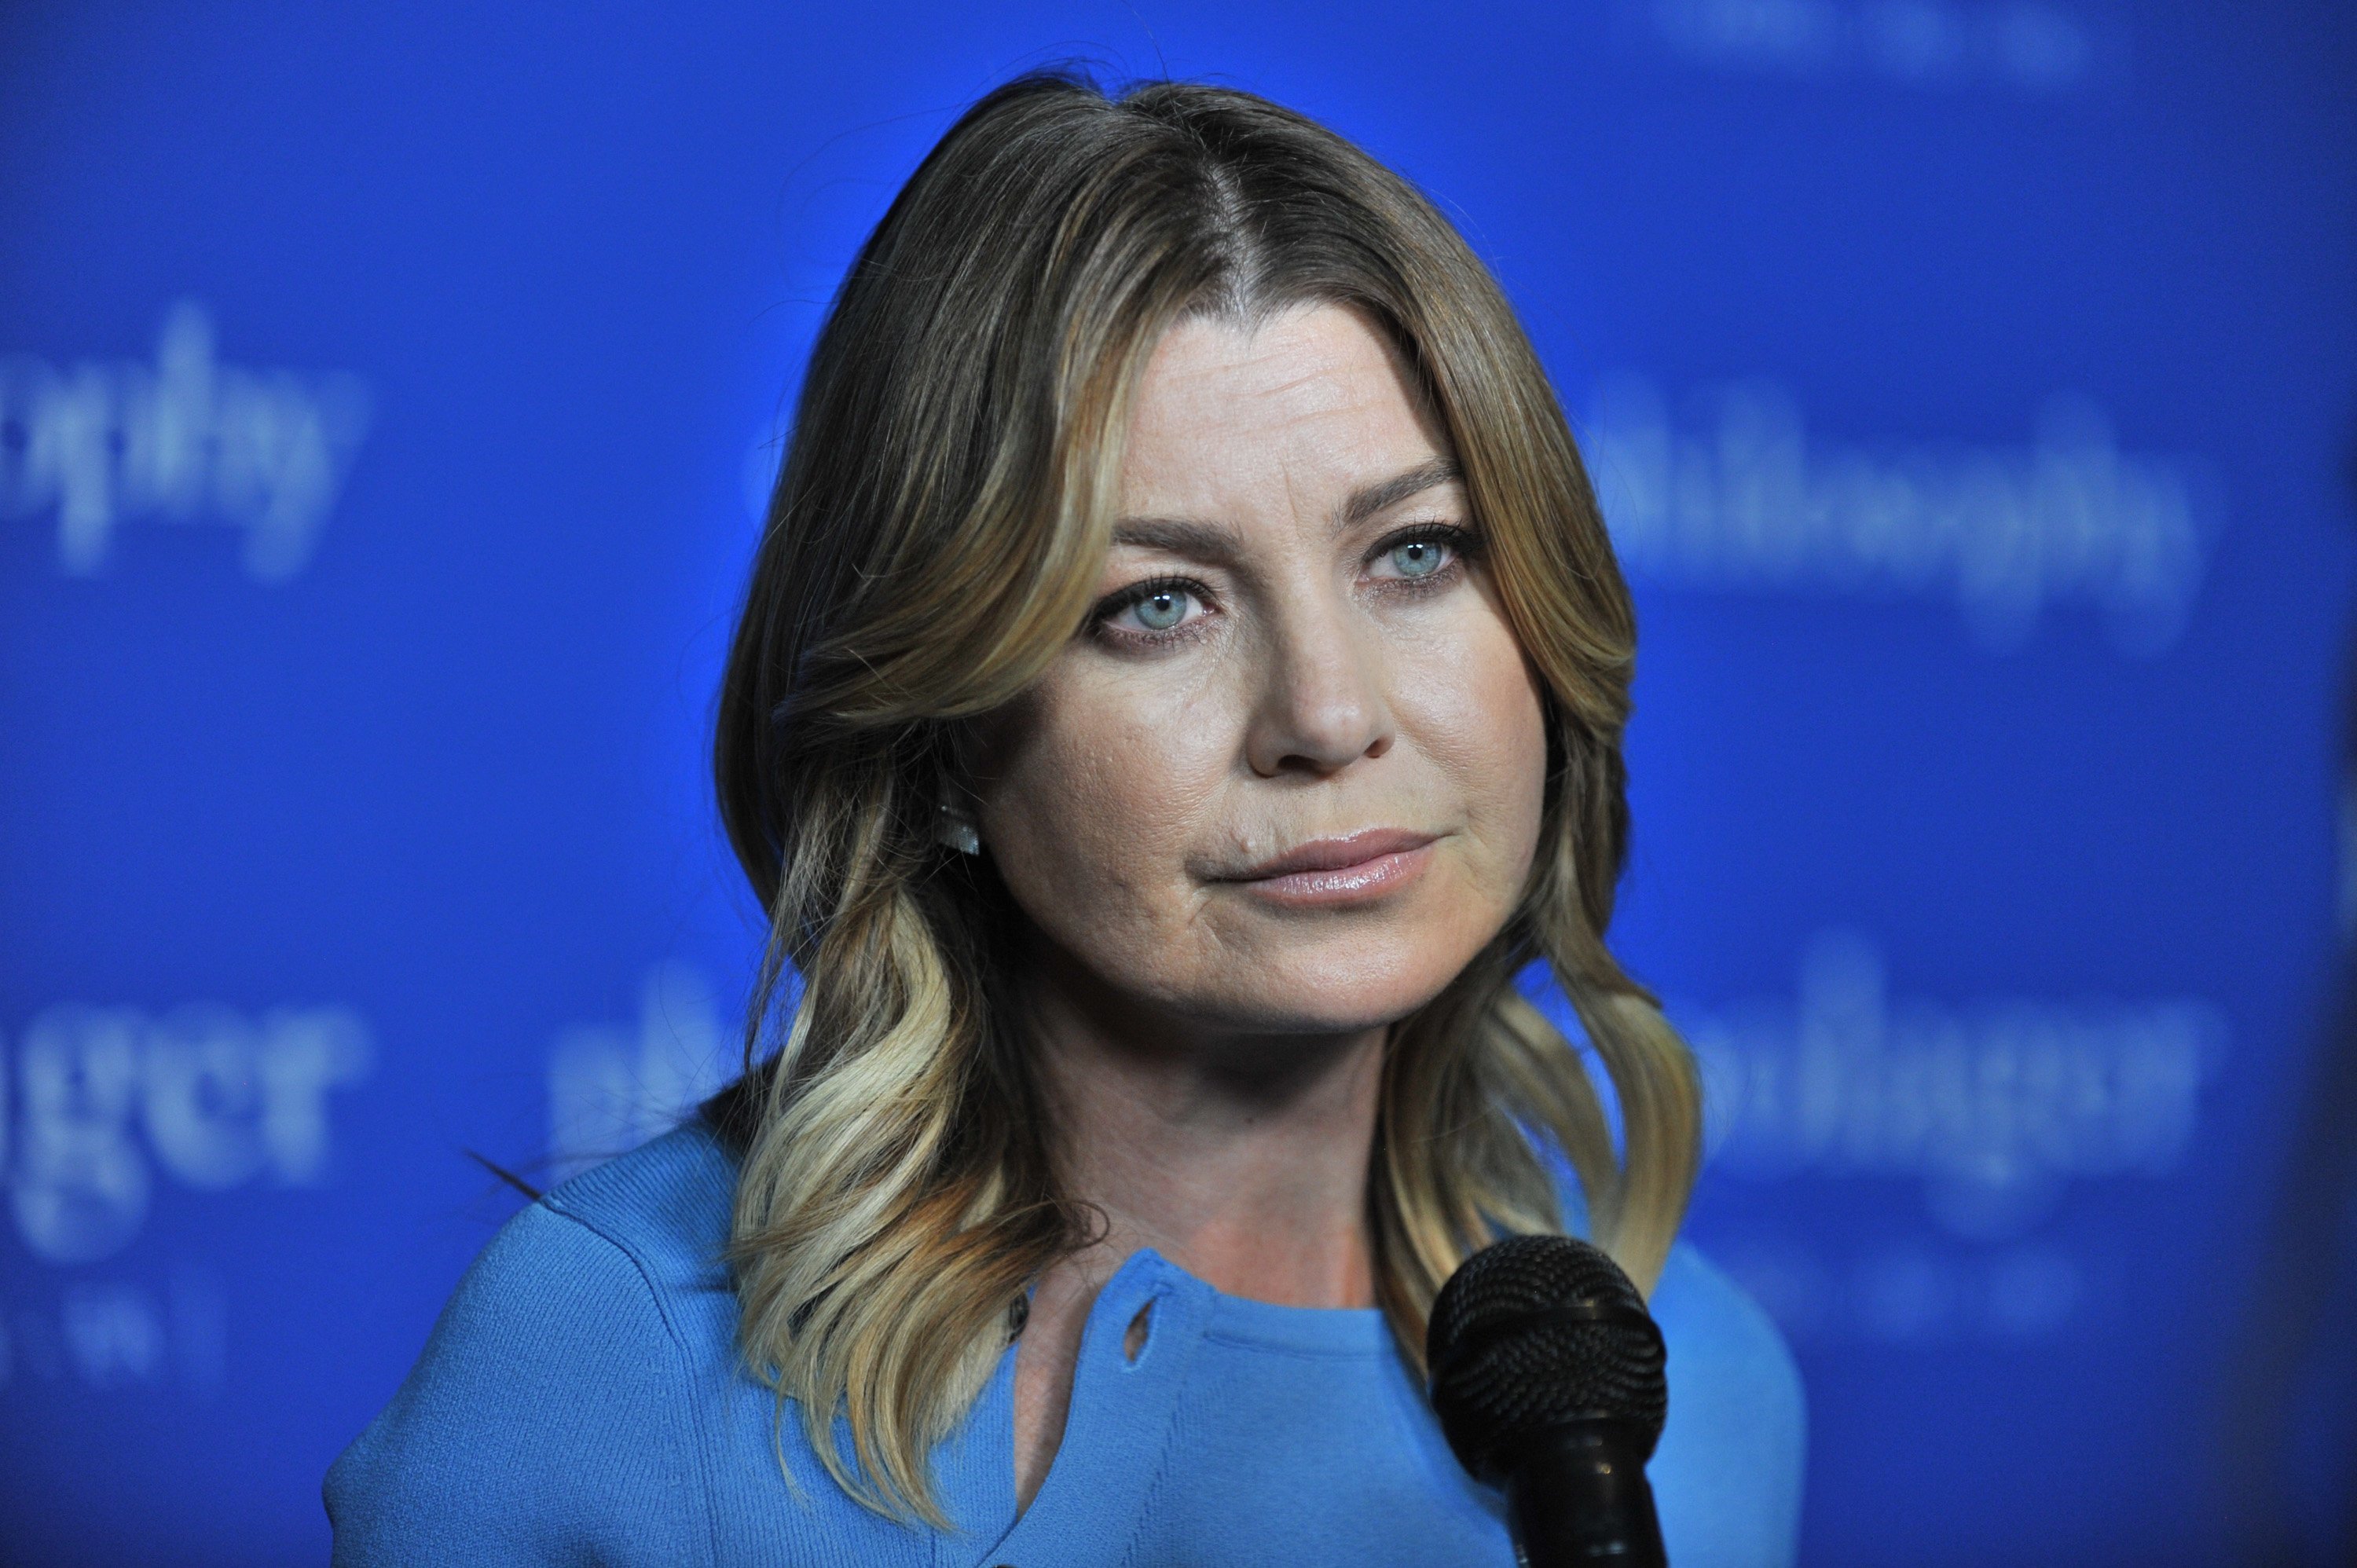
<point>1239,1157</point>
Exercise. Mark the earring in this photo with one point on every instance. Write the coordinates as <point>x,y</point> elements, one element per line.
<point>956,830</point>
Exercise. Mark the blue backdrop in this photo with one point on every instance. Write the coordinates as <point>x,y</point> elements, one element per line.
<point>385,400</point>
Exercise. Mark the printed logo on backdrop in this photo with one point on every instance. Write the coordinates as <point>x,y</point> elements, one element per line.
<point>99,1106</point>
<point>1740,496</point>
<point>1994,1109</point>
<point>2019,46</point>
<point>185,438</point>
<point>613,1086</point>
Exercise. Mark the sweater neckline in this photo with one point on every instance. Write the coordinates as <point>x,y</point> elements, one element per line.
<point>1239,1320</point>
<point>1118,1423</point>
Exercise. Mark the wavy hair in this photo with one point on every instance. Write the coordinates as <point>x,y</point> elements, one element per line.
<point>932,541</point>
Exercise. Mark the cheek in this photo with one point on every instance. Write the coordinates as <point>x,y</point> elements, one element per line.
<point>1479,717</point>
<point>1091,803</point>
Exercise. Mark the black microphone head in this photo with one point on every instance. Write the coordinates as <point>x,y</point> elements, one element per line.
<point>1533,1333</point>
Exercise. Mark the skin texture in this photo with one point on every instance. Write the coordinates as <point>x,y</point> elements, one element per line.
<point>1211,1043</point>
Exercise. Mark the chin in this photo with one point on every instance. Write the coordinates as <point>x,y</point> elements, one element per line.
<point>1335,988</point>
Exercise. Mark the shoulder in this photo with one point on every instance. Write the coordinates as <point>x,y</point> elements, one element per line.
<point>1730,1463</point>
<point>1721,1331</point>
<point>666,1206</point>
<point>1727,1474</point>
<point>547,1417</point>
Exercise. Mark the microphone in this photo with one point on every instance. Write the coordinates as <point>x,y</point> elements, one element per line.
<point>1549,1377</point>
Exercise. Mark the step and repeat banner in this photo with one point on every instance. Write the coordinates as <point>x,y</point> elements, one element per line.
<point>387,399</point>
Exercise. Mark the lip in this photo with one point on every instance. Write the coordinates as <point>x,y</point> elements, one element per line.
<point>1354,868</point>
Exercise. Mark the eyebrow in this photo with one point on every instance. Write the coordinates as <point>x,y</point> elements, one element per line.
<point>1382,497</point>
<point>1179,536</point>
<point>1217,542</point>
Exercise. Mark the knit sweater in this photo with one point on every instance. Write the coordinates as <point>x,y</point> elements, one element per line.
<point>581,1400</point>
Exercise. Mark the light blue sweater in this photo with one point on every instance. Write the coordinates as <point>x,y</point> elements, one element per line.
<point>580,1401</point>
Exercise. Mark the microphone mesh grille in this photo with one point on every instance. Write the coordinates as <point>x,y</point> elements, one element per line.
<point>1499,1382</point>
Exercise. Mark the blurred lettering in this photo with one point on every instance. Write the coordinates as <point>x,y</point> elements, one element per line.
<point>185,439</point>
<point>1912,1293</point>
<point>222,1097</point>
<point>109,1335</point>
<point>2021,45</point>
<point>1749,502</point>
<point>613,1087</point>
<point>1995,1106</point>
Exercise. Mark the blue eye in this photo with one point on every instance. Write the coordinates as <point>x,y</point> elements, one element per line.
<point>1152,612</point>
<point>1163,609</point>
<point>1418,557</point>
<point>1153,607</point>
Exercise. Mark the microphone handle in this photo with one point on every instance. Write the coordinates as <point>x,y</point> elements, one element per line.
<point>1579,1500</point>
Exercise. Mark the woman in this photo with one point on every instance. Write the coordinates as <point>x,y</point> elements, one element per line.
<point>1181,686</point>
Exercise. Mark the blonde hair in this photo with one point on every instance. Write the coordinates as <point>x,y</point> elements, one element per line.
<point>933,541</point>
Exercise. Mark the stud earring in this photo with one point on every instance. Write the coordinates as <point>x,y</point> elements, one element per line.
<point>956,830</point>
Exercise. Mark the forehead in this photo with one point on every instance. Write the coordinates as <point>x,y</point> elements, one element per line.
<point>1316,396</point>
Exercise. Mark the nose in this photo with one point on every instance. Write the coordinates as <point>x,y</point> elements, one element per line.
<point>1322,700</point>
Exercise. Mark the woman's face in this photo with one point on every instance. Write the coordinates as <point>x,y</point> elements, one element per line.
<point>1288,778</point>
